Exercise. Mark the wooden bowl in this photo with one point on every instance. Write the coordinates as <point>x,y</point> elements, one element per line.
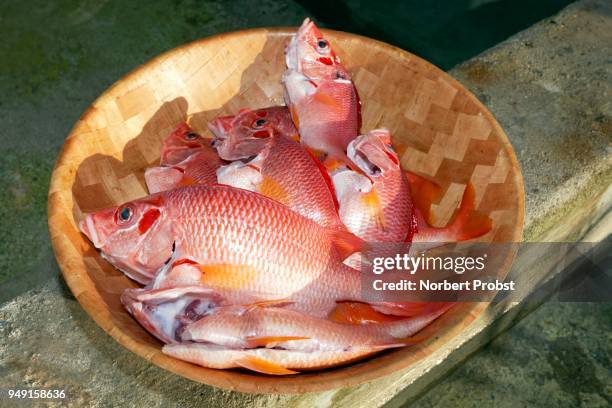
<point>442,130</point>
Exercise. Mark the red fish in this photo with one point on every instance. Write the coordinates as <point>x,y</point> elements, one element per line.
<point>243,245</point>
<point>375,203</point>
<point>278,341</point>
<point>264,360</point>
<point>166,312</point>
<point>281,168</point>
<point>199,168</point>
<point>182,143</point>
<point>244,135</point>
<point>268,324</point>
<point>320,94</point>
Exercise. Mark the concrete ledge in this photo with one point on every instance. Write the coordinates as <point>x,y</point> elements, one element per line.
<point>549,87</point>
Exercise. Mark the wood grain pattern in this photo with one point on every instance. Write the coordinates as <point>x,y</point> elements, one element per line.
<point>441,130</point>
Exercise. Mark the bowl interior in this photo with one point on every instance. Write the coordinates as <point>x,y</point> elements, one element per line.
<point>440,129</point>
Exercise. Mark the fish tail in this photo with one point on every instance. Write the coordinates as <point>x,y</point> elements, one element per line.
<point>424,193</point>
<point>466,224</point>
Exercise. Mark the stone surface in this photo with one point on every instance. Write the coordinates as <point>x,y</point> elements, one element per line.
<point>550,89</point>
<point>558,356</point>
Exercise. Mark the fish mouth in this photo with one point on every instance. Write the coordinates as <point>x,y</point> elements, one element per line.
<point>220,126</point>
<point>88,228</point>
<point>371,154</point>
<point>292,52</point>
<point>365,155</point>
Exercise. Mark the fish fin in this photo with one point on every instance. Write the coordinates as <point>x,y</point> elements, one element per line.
<point>162,178</point>
<point>294,118</point>
<point>270,303</point>
<point>347,243</point>
<point>374,206</point>
<point>465,225</point>
<point>424,192</point>
<point>381,347</point>
<point>331,163</point>
<point>270,341</point>
<point>358,313</point>
<point>327,100</point>
<point>263,366</point>
<point>186,181</point>
<point>410,309</point>
<point>326,177</point>
<point>272,189</point>
<point>227,276</point>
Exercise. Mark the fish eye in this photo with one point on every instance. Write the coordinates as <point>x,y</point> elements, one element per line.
<point>259,123</point>
<point>124,214</point>
<point>322,44</point>
<point>191,136</point>
<point>340,75</point>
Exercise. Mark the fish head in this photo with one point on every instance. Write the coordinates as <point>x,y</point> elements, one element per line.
<point>181,143</point>
<point>310,54</point>
<point>136,237</point>
<point>244,135</point>
<point>373,153</point>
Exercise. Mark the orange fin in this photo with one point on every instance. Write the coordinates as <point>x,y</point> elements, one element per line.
<point>186,181</point>
<point>465,225</point>
<point>227,276</point>
<point>424,193</point>
<point>326,177</point>
<point>263,366</point>
<point>358,313</point>
<point>271,341</point>
<point>411,309</point>
<point>375,208</point>
<point>294,117</point>
<point>331,163</point>
<point>327,100</point>
<point>347,243</point>
<point>270,303</point>
<point>272,189</point>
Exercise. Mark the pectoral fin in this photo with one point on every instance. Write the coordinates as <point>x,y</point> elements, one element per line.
<point>272,189</point>
<point>359,313</point>
<point>269,303</point>
<point>263,366</point>
<point>271,341</point>
<point>327,100</point>
<point>228,276</point>
<point>374,207</point>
